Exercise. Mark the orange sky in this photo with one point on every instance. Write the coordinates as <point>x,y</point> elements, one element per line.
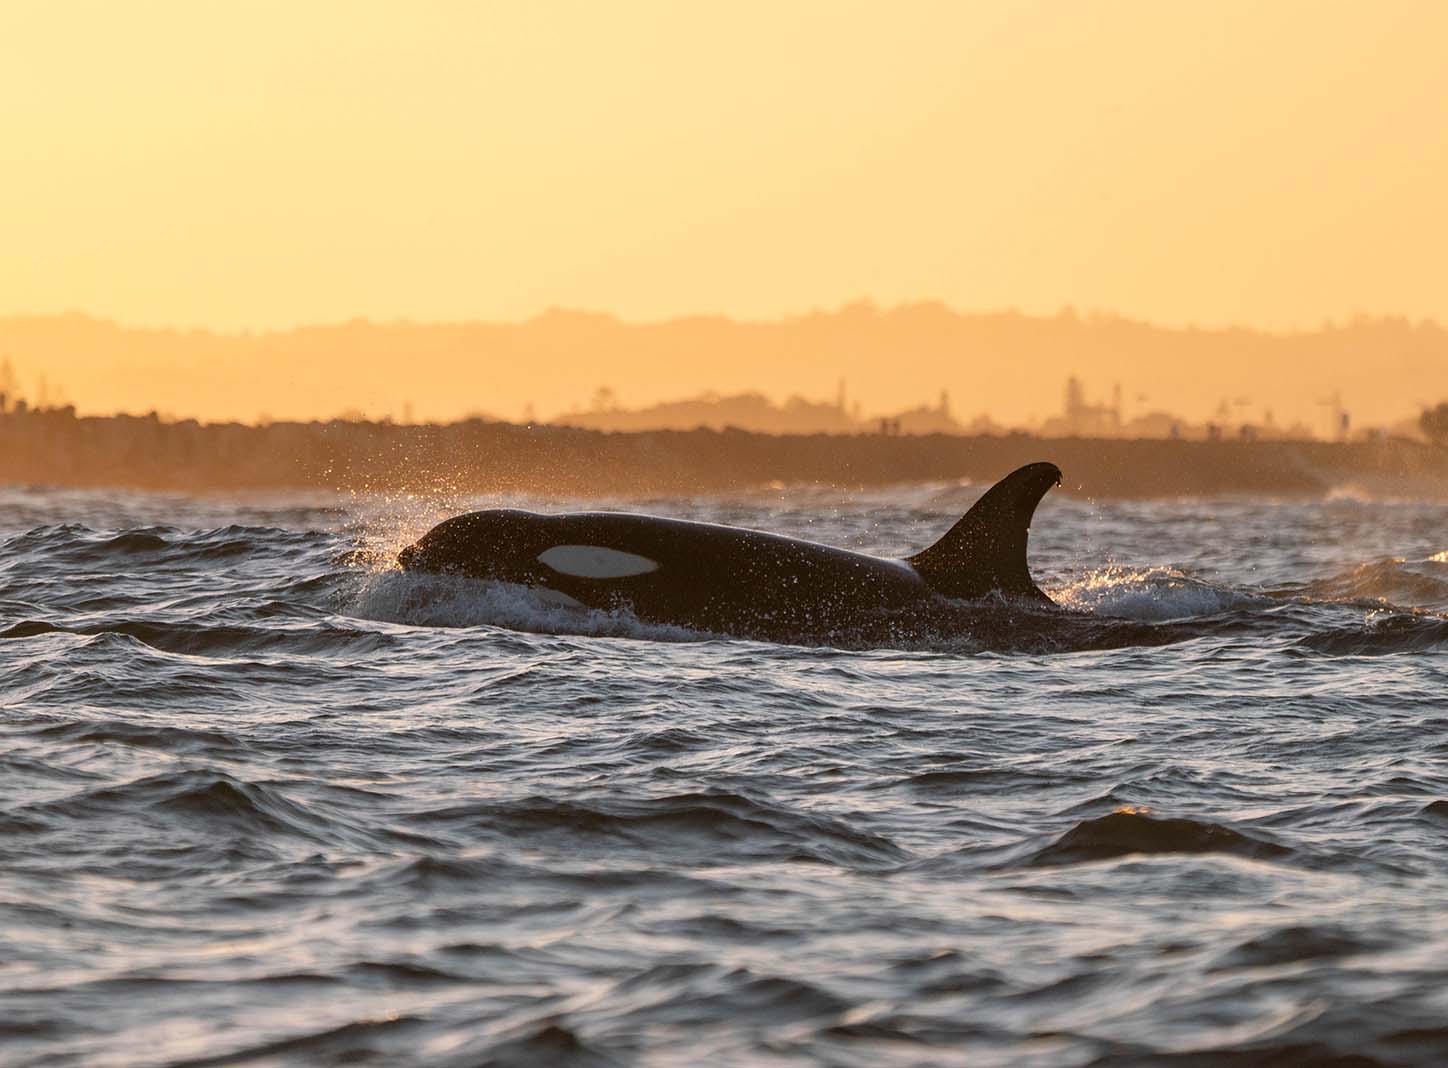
<point>265,164</point>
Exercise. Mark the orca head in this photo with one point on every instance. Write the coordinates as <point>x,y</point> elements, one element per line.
<point>476,545</point>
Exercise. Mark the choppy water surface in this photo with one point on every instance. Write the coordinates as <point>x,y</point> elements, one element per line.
<point>268,802</point>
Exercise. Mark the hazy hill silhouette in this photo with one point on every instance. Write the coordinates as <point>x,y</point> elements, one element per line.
<point>1007,365</point>
<point>748,411</point>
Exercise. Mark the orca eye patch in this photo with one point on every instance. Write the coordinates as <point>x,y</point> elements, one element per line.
<point>595,562</point>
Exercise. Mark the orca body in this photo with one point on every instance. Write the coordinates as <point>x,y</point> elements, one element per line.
<point>735,581</point>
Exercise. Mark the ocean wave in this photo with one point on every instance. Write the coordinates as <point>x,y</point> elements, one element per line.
<point>693,994</point>
<point>77,545</point>
<point>1396,582</point>
<point>1151,594</point>
<point>697,824</point>
<point>1379,634</point>
<point>208,801</point>
<point>164,737</point>
<point>214,641</point>
<point>1294,943</point>
<point>1131,831</point>
<point>425,600</point>
<point>270,800</point>
<point>548,1045</point>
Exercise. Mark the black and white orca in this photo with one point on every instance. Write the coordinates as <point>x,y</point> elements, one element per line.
<point>735,581</point>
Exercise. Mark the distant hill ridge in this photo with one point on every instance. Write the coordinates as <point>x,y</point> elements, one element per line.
<point>1007,366</point>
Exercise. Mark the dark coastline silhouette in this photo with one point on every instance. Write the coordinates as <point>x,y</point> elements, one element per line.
<point>54,447</point>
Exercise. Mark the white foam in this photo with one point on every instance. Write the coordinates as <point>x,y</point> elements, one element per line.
<point>1153,594</point>
<point>547,596</point>
<point>426,600</point>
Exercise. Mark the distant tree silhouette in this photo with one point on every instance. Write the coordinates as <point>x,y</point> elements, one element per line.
<point>1434,424</point>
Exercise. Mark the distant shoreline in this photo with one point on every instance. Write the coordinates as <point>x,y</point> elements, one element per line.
<point>475,456</point>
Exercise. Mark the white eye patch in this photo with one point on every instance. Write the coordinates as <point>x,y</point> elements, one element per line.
<point>595,562</point>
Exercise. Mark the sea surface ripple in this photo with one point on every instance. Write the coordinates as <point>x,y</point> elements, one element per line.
<point>269,801</point>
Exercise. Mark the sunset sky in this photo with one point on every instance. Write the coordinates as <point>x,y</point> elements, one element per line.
<point>265,164</point>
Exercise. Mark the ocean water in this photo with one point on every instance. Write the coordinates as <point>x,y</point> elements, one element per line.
<point>269,801</point>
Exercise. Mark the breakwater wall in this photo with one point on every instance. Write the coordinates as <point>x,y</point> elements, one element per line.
<point>56,448</point>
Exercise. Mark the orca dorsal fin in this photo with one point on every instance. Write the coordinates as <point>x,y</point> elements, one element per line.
<point>986,551</point>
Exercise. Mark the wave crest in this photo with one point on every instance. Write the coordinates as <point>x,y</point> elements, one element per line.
<point>425,600</point>
<point>1151,594</point>
<point>1398,582</point>
<point>1129,831</point>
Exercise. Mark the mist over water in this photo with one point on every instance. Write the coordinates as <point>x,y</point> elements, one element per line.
<point>269,801</point>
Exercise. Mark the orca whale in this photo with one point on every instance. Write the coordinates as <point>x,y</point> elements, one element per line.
<point>735,581</point>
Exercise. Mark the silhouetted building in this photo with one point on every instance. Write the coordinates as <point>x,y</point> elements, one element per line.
<point>1083,420</point>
